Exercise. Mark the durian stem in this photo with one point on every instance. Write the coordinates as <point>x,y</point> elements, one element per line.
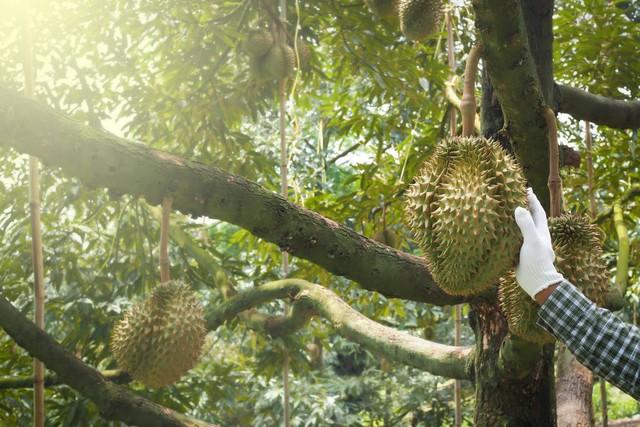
<point>165,273</point>
<point>554,182</point>
<point>453,122</point>
<point>36,237</point>
<point>454,99</point>
<point>468,102</point>
<point>593,211</point>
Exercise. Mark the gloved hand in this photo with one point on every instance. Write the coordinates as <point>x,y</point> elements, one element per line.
<point>535,270</point>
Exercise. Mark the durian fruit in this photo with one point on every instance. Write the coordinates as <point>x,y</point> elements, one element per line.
<point>387,237</point>
<point>278,63</point>
<point>384,9</point>
<point>160,339</point>
<point>577,245</point>
<point>419,18</point>
<point>460,209</point>
<point>521,311</point>
<point>258,43</point>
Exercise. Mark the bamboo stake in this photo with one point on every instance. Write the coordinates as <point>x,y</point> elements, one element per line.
<point>165,273</point>
<point>284,185</point>
<point>36,240</point>
<point>453,124</point>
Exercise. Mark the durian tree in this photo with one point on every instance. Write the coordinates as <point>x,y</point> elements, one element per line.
<point>196,84</point>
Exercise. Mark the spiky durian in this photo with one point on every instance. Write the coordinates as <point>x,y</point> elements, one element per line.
<point>258,43</point>
<point>460,209</point>
<point>577,245</point>
<point>387,237</point>
<point>384,9</point>
<point>520,310</point>
<point>419,18</point>
<point>160,339</point>
<point>278,63</point>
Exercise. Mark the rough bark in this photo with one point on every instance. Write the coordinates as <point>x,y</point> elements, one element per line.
<point>575,383</point>
<point>583,105</point>
<point>514,388</point>
<point>100,159</point>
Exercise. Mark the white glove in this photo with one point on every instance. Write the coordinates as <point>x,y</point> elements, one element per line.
<point>535,271</point>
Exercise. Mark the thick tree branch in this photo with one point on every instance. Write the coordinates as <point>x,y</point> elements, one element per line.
<point>114,402</point>
<point>582,105</point>
<point>512,70</point>
<point>100,159</point>
<point>439,359</point>
<point>51,379</point>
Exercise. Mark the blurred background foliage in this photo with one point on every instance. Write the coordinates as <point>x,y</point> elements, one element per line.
<point>360,122</point>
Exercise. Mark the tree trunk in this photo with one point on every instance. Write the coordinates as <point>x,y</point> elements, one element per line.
<point>501,399</point>
<point>575,383</point>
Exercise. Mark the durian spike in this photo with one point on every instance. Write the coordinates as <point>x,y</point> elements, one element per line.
<point>165,275</point>
<point>468,101</point>
<point>555,182</point>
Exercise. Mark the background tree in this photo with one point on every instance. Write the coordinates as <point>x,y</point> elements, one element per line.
<point>363,118</point>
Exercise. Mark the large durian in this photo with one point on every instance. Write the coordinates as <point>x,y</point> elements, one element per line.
<point>258,43</point>
<point>278,63</point>
<point>419,18</point>
<point>577,245</point>
<point>460,209</point>
<point>160,339</point>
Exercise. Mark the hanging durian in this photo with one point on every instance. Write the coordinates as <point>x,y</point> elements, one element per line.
<point>384,9</point>
<point>160,339</point>
<point>579,258</point>
<point>419,18</point>
<point>460,209</point>
<point>258,43</point>
<point>278,63</point>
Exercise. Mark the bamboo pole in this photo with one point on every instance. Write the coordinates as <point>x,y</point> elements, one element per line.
<point>554,182</point>
<point>453,124</point>
<point>36,237</point>
<point>284,185</point>
<point>165,273</point>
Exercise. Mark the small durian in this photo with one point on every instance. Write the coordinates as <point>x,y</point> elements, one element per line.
<point>460,210</point>
<point>384,9</point>
<point>419,18</point>
<point>160,339</point>
<point>577,245</point>
<point>387,237</point>
<point>258,43</point>
<point>278,63</point>
<point>520,311</point>
<point>579,258</point>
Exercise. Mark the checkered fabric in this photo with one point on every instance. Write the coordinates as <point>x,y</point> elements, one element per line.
<point>596,337</point>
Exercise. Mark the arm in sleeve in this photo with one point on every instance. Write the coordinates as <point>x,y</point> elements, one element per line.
<point>596,337</point>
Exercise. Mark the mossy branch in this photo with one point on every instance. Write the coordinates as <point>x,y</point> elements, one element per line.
<point>51,380</point>
<point>583,105</point>
<point>101,159</point>
<point>438,359</point>
<point>510,65</point>
<point>114,401</point>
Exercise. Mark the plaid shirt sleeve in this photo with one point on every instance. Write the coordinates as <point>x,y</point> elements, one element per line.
<point>596,337</point>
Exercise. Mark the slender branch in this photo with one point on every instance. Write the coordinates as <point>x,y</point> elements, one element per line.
<point>583,105</point>
<point>114,401</point>
<point>622,265</point>
<point>101,159</point>
<point>630,194</point>
<point>51,380</point>
<point>165,273</point>
<point>468,102</point>
<point>554,181</point>
<point>438,359</point>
